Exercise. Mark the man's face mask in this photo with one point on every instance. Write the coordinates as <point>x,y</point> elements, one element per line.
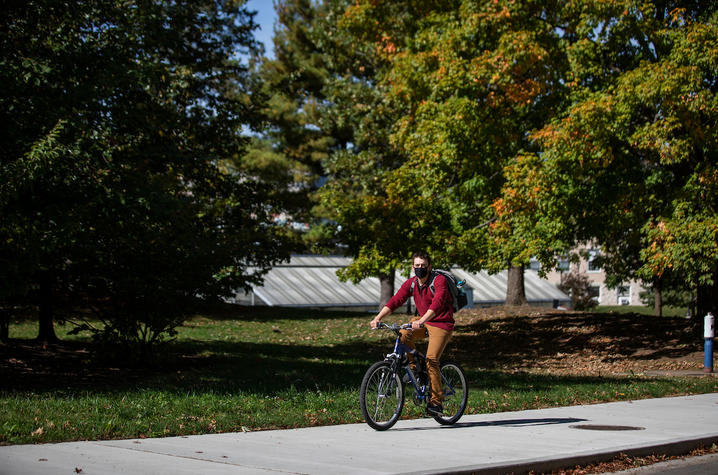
<point>421,272</point>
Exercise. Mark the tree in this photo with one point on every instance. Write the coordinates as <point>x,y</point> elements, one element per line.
<point>375,229</point>
<point>538,125</point>
<point>292,90</point>
<point>326,109</point>
<point>473,79</point>
<point>525,128</point>
<point>631,162</point>
<point>115,188</point>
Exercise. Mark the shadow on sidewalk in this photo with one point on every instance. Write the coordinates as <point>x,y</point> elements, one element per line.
<point>507,422</point>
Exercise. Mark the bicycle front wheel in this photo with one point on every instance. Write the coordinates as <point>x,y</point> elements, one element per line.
<point>381,396</point>
<point>456,393</point>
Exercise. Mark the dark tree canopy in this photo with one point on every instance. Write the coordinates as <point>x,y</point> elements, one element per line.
<point>117,187</point>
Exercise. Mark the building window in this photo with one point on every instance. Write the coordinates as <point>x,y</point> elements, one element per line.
<point>594,292</point>
<point>624,295</point>
<point>563,264</point>
<point>534,264</point>
<point>592,264</point>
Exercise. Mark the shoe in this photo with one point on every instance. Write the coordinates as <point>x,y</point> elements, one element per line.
<point>433,410</point>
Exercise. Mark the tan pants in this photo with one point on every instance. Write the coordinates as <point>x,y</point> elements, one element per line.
<point>438,338</point>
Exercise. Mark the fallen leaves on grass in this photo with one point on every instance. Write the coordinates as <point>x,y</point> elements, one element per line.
<point>575,343</point>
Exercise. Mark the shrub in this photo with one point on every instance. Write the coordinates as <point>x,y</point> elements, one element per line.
<point>578,287</point>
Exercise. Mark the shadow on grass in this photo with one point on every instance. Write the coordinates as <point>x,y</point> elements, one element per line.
<point>485,348</point>
<point>234,367</point>
<point>214,366</point>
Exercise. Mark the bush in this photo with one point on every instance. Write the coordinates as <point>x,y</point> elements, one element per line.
<point>578,287</point>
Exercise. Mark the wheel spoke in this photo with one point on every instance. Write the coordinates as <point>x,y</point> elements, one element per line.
<point>455,393</point>
<point>382,397</point>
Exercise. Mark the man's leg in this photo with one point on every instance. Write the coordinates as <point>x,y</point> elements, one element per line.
<point>409,337</point>
<point>438,338</point>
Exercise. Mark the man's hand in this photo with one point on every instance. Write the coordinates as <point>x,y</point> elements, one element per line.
<point>382,313</point>
<point>419,322</point>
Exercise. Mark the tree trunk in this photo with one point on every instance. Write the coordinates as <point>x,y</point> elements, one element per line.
<point>658,297</point>
<point>386,286</point>
<point>515,292</point>
<point>46,333</point>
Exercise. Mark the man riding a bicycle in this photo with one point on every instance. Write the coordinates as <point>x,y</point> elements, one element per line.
<point>435,319</point>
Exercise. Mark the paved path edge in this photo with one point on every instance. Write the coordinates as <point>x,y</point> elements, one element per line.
<point>542,465</point>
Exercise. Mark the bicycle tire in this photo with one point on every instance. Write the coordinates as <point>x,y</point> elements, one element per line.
<point>456,393</point>
<point>381,396</point>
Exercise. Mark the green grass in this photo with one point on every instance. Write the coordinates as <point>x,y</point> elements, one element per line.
<point>264,369</point>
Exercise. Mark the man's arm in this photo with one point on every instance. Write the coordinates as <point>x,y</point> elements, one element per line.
<point>383,313</point>
<point>401,296</point>
<point>415,325</point>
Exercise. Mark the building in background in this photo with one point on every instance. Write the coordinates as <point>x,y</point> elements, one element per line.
<point>311,281</point>
<point>629,293</point>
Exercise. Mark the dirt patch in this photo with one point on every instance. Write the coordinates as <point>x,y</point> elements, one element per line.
<point>576,343</point>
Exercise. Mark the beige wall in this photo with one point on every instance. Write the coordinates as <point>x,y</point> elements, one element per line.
<point>597,277</point>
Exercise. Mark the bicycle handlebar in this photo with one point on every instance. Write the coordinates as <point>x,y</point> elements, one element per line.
<point>394,326</point>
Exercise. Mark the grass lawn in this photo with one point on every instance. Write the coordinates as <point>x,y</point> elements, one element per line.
<point>245,369</point>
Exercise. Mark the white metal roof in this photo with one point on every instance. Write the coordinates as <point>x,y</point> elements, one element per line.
<point>311,281</point>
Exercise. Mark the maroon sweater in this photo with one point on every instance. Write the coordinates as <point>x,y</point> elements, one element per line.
<point>439,302</point>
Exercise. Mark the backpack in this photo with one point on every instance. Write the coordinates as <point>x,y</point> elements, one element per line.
<point>458,296</point>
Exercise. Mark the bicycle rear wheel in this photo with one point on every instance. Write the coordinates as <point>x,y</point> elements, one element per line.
<point>381,396</point>
<point>456,393</point>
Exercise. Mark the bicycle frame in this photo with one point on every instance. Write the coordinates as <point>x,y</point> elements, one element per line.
<point>398,358</point>
<point>383,387</point>
<point>398,354</point>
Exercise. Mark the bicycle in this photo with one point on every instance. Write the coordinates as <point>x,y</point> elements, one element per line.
<point>382,389</point>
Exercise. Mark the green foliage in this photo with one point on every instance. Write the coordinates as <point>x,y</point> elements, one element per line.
<point>578,287</point>
<point>327,111</point>
<point>471,79</point>
<point>536,126</point>
<point>292,91</point>
<point>121,119</point>
<point>634,153</point>
<point>525,128</point>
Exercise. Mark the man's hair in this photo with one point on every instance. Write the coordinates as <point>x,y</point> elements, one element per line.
<point>422,255</point>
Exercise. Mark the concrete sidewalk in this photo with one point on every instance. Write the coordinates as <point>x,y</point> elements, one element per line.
<point>538,440</point>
